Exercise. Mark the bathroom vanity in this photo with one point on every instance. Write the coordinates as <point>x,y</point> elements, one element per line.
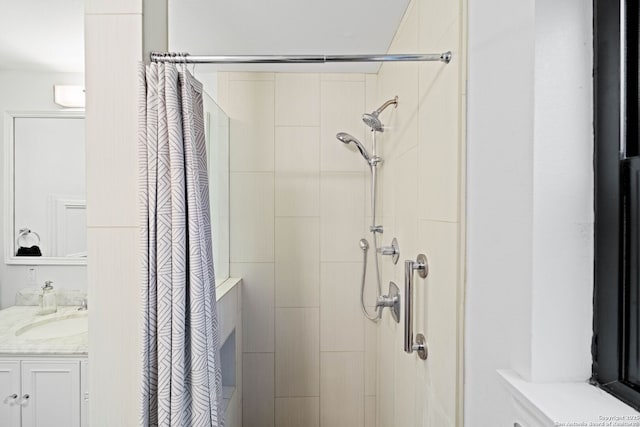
<point>43,367</point>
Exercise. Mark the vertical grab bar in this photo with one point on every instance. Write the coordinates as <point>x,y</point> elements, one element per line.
<point>420,346</point>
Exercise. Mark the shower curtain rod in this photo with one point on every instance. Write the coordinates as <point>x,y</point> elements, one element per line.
<point>185,58</point>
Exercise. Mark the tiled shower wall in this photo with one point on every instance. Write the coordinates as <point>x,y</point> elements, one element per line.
<point>299,205</point>
<point>423,195</point>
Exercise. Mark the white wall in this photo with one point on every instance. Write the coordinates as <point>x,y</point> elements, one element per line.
<point>32,91</point>
<point>423,207</point>
<point>562,296</point>
<point>529,198</point>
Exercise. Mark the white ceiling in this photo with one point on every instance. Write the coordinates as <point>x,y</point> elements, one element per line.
<point>48,35</point>
<point>42,35</point>
<point>273,27</point>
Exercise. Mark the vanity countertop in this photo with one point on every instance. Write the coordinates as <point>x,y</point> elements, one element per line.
<point>14,318</point>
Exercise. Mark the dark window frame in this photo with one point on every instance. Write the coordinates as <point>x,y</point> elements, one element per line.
<point>615,271</point>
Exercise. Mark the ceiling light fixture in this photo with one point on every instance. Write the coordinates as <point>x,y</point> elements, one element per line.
<point>69,96</point>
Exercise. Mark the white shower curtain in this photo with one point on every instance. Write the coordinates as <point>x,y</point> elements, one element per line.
<point>181,380</point>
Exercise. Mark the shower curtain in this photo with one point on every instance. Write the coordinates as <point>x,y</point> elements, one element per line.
<point>181,379</point>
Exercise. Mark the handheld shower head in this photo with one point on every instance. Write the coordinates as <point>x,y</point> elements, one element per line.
<point>346,139</point>
<point>372,120</point>
<point>364,245</point>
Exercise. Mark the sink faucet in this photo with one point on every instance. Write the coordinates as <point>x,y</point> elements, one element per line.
<point>85,305</point>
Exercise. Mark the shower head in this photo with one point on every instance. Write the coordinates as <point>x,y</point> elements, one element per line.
<point>364,245</point>
<point>346,139</point>
<point>372,120</point>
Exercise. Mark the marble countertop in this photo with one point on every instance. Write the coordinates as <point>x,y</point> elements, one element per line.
<point>14,318</point>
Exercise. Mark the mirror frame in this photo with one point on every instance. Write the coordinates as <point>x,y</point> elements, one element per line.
<point>9,196</point>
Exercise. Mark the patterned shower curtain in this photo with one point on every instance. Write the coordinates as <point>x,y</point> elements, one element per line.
<point>181,380</point>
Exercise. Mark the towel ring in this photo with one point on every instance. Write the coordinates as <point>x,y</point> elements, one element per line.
<point>24,234</point>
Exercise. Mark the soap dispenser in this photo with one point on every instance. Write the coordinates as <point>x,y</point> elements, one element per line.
<point>48,302</point>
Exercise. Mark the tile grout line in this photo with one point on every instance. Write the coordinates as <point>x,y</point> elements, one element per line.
<point>319,249</point>
<point>274,247</point>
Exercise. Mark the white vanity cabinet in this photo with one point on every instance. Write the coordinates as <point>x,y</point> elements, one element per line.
<point>42,392</point>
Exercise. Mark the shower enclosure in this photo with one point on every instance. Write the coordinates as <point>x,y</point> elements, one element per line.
<point>312,228</point>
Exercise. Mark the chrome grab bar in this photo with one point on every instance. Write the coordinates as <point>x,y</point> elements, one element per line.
<point>422,267</point>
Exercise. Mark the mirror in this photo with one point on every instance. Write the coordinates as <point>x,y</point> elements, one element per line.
<point>45,188</point>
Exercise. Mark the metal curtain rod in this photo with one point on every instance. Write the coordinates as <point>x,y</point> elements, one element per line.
<point>185,58</point>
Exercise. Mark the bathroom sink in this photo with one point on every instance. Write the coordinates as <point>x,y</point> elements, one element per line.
<point>55,327</point>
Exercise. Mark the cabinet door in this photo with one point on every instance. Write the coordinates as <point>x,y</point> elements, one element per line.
<point>9,386</point>
<point>50,393</point>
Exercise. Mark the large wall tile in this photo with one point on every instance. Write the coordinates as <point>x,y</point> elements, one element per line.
<point>342,106</point>
<point>250,110</point>
<point>297,412</point>
<point>297,352</point>
<point>341,319</point>
<point>222,90</point>
<point>114,287</point>
<point>114,7</point>
<point>406,188</point>
<point>297,99</point>
<point>297,149</point>
<point>252,217</point>
<point>111,121</point>
<point>297,262</point>
<point>341,385</point>
<point>297,171</point>
<point>371,92</point>
<point>387,331</point>
<point>343,77</point>
<point>371,355</point>
<point>370,411</point>
<point>297,194</point>
<point>403,391</point>
<point>258,312</point>
<point>441,301</point>
<point>257,400</point>
<point>405,199</point>
<point>250,76</point>
<point>435,18</point>
<point>439,145</point>
<point>341,216</point>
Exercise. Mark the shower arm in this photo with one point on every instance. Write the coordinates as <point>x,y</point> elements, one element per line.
<point>383,107</point>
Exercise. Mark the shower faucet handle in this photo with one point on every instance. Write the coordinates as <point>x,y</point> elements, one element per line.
<point>391,301</point>
<point>393,251</point>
